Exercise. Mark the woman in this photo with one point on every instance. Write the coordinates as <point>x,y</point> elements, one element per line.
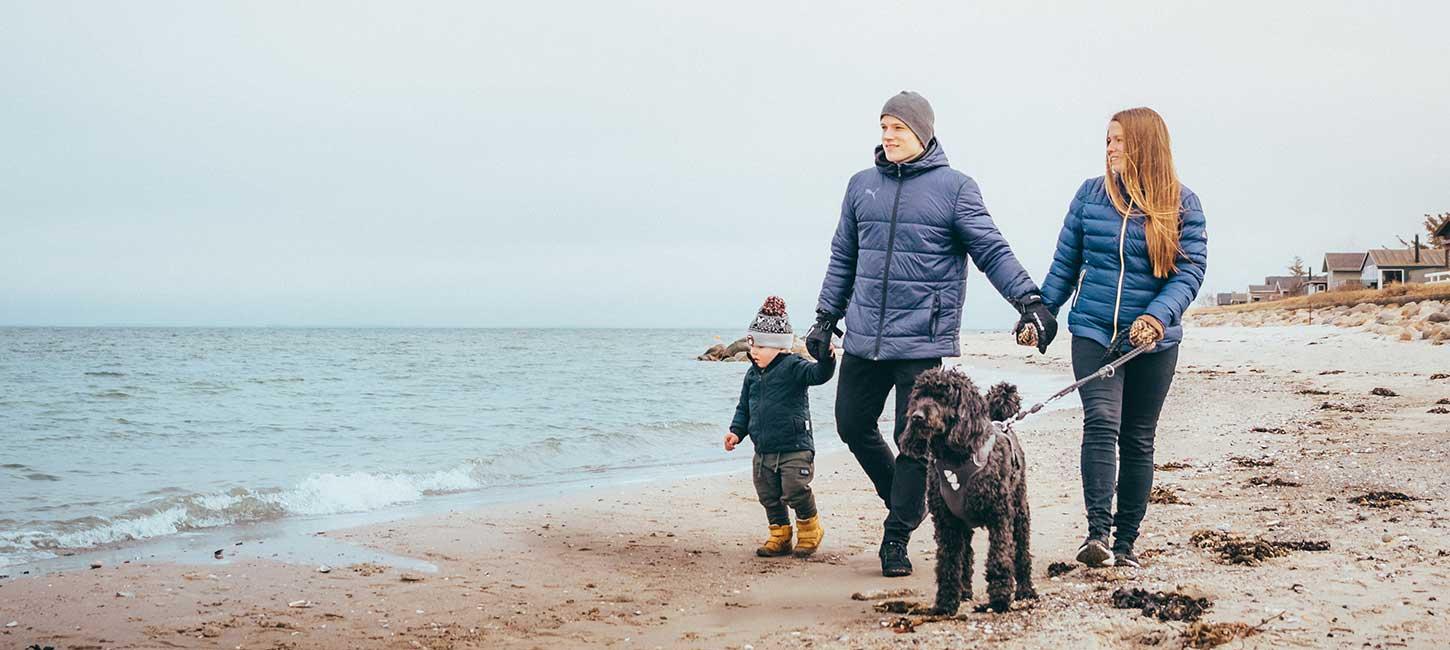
<point>1134,248</point>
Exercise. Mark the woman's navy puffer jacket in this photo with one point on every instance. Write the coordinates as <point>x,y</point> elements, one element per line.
<point>1104,258</point>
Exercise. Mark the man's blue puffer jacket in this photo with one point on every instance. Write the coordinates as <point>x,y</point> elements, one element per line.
<point>898,265</point>
<point>1104,258</point>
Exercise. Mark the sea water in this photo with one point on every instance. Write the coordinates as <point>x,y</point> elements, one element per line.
<point>110,435</point>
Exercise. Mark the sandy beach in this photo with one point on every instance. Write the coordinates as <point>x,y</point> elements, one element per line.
<point>1279,429</point>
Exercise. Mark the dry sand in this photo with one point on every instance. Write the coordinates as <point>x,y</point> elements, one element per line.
<point>672,565</point>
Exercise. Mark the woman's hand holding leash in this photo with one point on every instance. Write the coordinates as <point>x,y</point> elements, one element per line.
<point>1146,329</point>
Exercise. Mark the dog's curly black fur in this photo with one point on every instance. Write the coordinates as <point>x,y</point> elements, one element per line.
<point>949,420</point>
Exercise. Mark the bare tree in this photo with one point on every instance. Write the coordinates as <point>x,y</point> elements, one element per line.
<point>1432,225</point>
<point>1300,275</point>
<point>1296,268</point>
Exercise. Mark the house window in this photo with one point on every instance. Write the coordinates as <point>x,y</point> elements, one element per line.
<point>1391,276</point>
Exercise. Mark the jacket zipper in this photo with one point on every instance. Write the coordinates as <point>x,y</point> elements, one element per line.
<point>886,272</point>
<point>1122,268</point>
<point>1077,295</point>
<point>935,306</point>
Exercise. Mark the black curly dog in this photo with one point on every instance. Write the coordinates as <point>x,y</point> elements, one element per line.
<point>949,424</point>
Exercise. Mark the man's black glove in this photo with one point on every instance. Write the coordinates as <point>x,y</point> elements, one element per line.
<point>818,339</point>
<point>1036,315</point>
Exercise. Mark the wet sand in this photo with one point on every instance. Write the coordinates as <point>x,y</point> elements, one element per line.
<point>671,564</point>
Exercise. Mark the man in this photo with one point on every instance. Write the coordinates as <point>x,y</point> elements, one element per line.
<point>897,275</point>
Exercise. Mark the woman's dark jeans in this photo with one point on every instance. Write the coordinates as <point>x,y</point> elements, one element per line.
<point>1120,416</point>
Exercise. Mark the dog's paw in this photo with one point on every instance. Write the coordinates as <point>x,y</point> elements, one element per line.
<point>943,610</point>
<point>998,606</point>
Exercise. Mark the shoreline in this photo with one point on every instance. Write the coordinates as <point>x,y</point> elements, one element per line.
<point>291,535</point>
<point>671,563</point>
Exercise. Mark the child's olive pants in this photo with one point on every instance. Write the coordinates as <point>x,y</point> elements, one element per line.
<point>782,480</point>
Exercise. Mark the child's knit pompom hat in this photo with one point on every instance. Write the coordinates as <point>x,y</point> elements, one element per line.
<point>771,327</point>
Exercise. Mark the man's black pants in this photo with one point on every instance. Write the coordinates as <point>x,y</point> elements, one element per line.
<point>861,394</point>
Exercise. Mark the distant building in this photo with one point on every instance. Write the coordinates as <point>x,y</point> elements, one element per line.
<point>1225,299</point>
<point>1315,283</point>
<point>1386,266</point>
<point>1263,292</point>
<point>1286,285</point>
<point>1342,270</point>
<point>1443,232</point>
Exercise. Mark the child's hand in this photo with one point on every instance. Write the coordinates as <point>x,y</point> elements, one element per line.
<point>833,349</point>
<point>730,441</point>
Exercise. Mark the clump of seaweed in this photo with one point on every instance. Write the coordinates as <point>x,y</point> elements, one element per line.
<point>1208,635</point>
<point>1382,499</point>
<point>1264,481</point>
<point>1162,605</point>
<point>1236,549</point>
<point>1165,496</point>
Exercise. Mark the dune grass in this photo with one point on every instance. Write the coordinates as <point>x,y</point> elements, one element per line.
<point>1397,294</point>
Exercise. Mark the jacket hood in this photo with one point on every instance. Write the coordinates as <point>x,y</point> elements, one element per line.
<point>933,157</point>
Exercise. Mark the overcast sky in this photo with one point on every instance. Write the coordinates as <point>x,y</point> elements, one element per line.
<point>654,164</point>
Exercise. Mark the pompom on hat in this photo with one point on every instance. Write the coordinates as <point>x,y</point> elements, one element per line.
<point>771,327</point>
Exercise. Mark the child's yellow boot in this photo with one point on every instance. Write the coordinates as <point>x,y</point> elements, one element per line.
<point>808,536</point>
<point>778,544</point>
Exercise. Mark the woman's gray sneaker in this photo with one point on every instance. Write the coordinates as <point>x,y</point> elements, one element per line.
<point>1094,553</point>
<point>1127,559</point>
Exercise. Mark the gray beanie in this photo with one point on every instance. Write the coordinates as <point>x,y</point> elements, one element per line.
<point>771,327</point>
<point>915,111</point>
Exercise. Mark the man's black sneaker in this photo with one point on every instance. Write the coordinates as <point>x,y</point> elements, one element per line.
<point>893,560</point>
<point>1094,553</point>
<point>1126,559</point>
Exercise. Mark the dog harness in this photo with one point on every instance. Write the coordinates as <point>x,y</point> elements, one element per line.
<point>955,476</point>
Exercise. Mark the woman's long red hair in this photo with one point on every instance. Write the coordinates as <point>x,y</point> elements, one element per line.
<point>1150,183</point>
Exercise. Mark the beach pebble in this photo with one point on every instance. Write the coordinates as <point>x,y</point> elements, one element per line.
<point>412,577</point>
<point>300,603</point>
<point>96,564</point>
<point>12,624</point>
<point>324,569</point>
<point>125,594</point>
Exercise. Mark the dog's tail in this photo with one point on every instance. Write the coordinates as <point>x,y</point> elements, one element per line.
<point>1003,401</point>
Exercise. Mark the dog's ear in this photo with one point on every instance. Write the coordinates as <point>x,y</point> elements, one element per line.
<point>913,441</point>
<point>1003,401</point>
<point>967,409</point>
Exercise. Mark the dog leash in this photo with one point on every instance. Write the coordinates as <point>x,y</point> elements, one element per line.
<point>1106,371</point>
